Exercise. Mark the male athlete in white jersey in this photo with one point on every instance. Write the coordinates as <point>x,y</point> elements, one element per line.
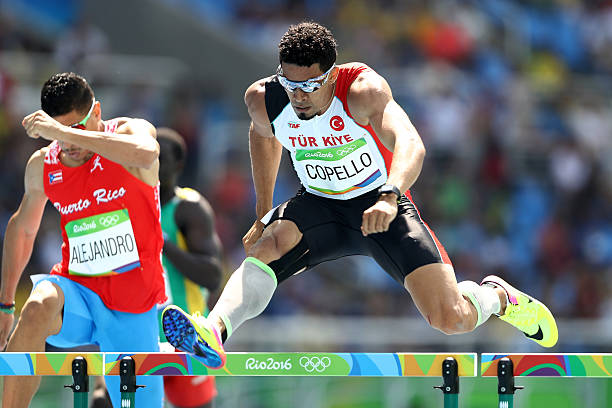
<point>356,154</point>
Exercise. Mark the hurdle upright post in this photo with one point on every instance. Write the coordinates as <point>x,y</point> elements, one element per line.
<point>505,383</point>
<point>80,387</point>
<point>127,373</point>
<point>450,386</point>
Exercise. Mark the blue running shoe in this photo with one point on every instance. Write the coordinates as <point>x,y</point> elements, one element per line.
<point>193,334</point>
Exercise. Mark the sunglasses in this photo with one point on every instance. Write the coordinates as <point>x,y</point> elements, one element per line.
<point>308,86</point>
<point>81,124</point>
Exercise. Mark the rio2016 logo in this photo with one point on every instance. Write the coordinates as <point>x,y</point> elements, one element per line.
<point>336,123</point>
<point>268,364</point>
<point>310,363</point>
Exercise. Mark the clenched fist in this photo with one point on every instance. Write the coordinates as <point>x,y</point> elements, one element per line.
<point>378,217</point>
<point>41,125</point>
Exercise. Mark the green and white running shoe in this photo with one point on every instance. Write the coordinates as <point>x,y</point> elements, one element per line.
<point>527,314</point>
<point>193,334</point>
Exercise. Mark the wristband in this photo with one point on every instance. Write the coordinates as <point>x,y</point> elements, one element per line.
<point>8,308</point>
<point>388,189</point>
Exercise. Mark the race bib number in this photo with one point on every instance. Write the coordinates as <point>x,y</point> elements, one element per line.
<point>102,244</point>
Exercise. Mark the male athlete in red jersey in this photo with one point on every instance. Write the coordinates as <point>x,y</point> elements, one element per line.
<point>102,176</point>
<point>356,154</point>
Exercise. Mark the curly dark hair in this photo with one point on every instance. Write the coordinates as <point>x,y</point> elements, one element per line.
<point>308,43</point>
<point>64,93</point>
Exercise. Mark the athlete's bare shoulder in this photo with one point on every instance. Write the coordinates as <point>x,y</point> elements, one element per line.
<point>255,96</point>
<point>368,93</point>
<point>37,158</point>
<point>255,100</point>
<point>34,170</point>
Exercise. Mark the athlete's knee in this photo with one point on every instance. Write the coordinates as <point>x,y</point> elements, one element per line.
<point>41,314</point>
<point>266,249</point>
<point>449,319</point>
<point>276,241</point>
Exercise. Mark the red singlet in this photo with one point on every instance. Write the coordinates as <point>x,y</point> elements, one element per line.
<point>111,231</point>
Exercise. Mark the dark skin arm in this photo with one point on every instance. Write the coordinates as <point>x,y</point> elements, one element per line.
<point>202,262</point>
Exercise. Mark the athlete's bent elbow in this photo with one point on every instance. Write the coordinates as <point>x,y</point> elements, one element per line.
<point>145,158</point>
<point>420,152</point>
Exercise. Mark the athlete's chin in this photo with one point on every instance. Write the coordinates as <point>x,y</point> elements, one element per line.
<point>304,115</point>
<point>81,155</point>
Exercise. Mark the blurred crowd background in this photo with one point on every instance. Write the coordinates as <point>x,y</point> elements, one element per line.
<point>510,97</point>
<point>512,100</point>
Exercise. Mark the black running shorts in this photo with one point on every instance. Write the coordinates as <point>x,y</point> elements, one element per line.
<point>332,229</point>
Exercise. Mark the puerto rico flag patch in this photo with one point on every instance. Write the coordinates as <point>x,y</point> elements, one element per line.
<point>55,177</point>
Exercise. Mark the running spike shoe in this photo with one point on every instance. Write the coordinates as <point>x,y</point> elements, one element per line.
<point>527,314</point>
<point>193,334</point>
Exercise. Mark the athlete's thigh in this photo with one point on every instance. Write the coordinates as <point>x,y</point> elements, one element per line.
<point>408,244</point>
<point>433,289</point>
<point>325,228</point>
<point>127,332</point>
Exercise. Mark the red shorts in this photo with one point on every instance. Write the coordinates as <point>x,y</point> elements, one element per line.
<point>189,391</point>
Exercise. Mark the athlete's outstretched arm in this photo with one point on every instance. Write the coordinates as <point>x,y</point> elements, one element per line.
<point>371,102</point>
<point>19,237</point>
<point>139,150</point>
<point>265,153</point>
<point>201,261</point>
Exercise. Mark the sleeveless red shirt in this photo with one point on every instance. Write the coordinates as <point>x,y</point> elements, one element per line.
<point>112,220</point>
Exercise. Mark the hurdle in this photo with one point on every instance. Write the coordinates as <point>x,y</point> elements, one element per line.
<point>449,366</point>
<point>508,366</point>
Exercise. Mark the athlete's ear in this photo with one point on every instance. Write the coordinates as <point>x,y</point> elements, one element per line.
<point>97,110</point>
<point>333,76</point>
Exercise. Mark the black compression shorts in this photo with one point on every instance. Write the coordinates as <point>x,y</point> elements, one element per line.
<point>332,229</point>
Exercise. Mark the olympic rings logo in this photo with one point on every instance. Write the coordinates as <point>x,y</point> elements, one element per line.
<point>317,364</point>
<point>346,150</point>
<point>109,220</point>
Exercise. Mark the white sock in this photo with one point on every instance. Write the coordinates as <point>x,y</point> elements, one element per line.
<point>246,294</point>
<point>484,299</point>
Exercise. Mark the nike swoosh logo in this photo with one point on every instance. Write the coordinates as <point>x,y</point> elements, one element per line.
<point>536,336</point>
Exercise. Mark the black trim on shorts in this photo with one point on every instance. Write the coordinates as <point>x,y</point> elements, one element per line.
<point>332,230</point>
